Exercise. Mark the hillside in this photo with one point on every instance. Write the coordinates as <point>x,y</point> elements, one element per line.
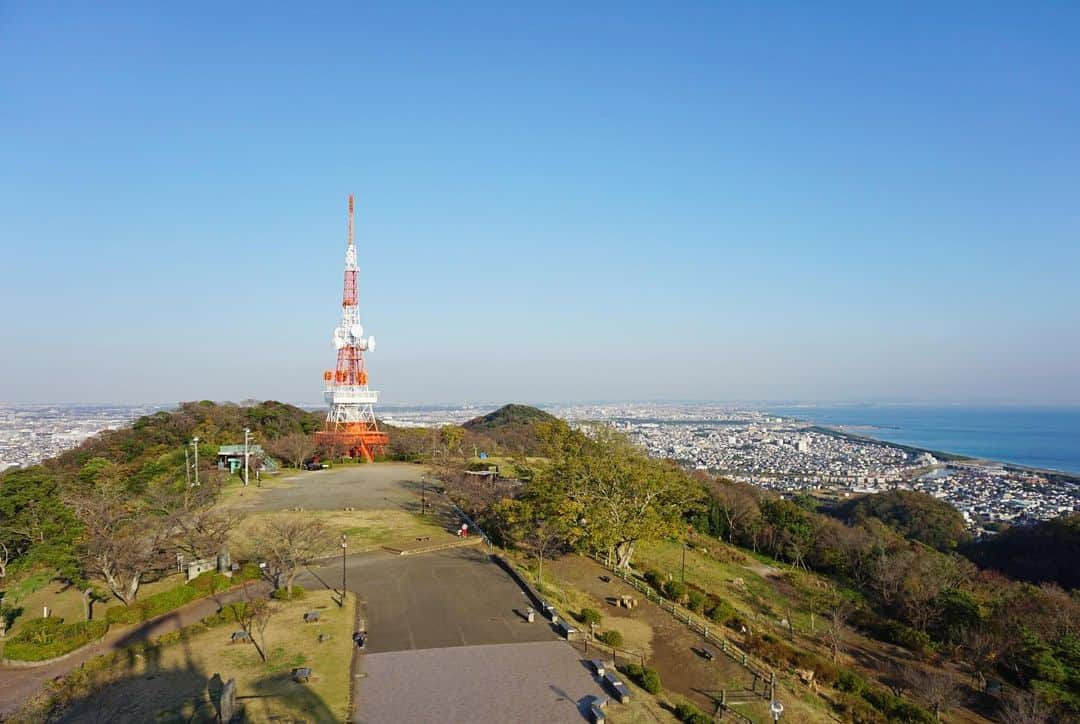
<point>512,415</point>
<point>1044,553</point>
<point>916,516</point>
<point>515,429</point>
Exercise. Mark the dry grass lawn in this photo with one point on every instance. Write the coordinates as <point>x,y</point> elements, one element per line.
<point>181,681</point>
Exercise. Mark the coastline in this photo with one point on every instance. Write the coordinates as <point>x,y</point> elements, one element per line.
<point>1056,476</point>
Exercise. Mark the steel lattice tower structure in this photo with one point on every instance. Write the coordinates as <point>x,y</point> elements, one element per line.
<point>351,420</point>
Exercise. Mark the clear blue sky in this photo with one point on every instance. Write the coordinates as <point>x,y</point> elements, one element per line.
<point>810,201</point>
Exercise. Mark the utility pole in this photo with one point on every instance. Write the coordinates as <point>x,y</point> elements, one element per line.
<point>195,444</point>
<point>247,438</point>
<point>344,544</point>
<point>423,495</point>
<point>187,468</point>
<point>682,576</point>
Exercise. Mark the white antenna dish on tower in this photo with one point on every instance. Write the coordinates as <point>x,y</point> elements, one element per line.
<point>371,343</point>
<point>357,331</point>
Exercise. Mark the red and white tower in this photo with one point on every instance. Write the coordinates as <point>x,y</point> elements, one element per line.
<point>351,420</point>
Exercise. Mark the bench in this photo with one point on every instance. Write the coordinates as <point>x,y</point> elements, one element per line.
<point>598,666</point>
<point>324,637</point>
<point>301,675</point>
<point>621,691</point>
<point>311,617</point>
<point>566,630</point>
<point>597,714</point>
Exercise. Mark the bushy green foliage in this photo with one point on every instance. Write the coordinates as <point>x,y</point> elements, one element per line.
<point>722,612</point>
<point>611,637</point>
<point>914,515</point>
<point>1045,552</point>
<point>589,617</point>
<point>282,594</point>
<point>152,606</point>
<point>645,677</point>
<point>675,591</point>
<point>696,600</point>
<point>48,638</point>
<point>210,583</point>
<point>690,714</point>
<point>896,708</point>
<point>36,527</point>
<point>850,682</point>
<point>655,579</point>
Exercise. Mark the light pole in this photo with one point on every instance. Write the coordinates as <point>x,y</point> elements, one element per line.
<point>344,545</point>
<point>195,444</point>
<point>776,709</point>
<point>247,438</point>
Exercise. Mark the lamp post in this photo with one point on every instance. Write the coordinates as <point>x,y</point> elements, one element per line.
<point>247,438</point>
<point>344,545</point>
<point>195,444</point>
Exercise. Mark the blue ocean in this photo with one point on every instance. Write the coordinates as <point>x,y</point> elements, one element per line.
<point>1039,437</point>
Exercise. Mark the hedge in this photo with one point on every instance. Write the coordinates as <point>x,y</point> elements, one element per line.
<point>160,603</point>
<point>282,594</point>
<point>690,714</point>
<point>648,679</point>
<point>611,637</point>
<point>47,638</point>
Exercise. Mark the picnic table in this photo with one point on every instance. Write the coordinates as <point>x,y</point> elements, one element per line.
<point>312,617</point>
<point>301,675</point>
<point>240,636</point>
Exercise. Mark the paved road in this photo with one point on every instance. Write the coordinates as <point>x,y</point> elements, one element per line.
<point>456,597</point>
<point>364,487</point>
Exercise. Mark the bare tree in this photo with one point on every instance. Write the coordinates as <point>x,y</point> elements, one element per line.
<point>1025,707</point>
<point>939,688</point>
<point>121,541</point>
<point>253,615</point>
<point>286,543</point>
<point>295,448</point>
<point>836,627</point>
<point>204,532</point>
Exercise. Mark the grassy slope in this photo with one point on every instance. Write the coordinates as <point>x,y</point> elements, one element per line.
<point>265,689</point>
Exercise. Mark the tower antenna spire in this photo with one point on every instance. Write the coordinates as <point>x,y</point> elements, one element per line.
<point>350,424</point>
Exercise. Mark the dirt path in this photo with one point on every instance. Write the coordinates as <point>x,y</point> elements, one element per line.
<point>19,684</point>
<point>673,650</point>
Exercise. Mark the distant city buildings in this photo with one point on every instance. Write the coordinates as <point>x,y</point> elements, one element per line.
<point>788,456</point>
<point>32,433</point>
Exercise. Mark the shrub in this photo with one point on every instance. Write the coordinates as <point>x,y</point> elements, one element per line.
<point>690,714</point>
<point>855,710</point>
<point>674,590</point>
<point>589,617</point>
<point>654,579</point>
<point>248,572</point>
<point>282,594</point>
<point>850,682</point>
<point>48,638</point>
<point>722,612</point>
<point>611,637</point>
<point>695,601</point>
<point>152,606</point>
<point>895,708</point>
<point>210,583</point>
<point>648,679</point>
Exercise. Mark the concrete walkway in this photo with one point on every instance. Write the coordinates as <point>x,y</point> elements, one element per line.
<point>20,684</point>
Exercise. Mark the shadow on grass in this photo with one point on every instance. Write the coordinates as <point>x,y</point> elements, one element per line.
<point>135,691</point>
